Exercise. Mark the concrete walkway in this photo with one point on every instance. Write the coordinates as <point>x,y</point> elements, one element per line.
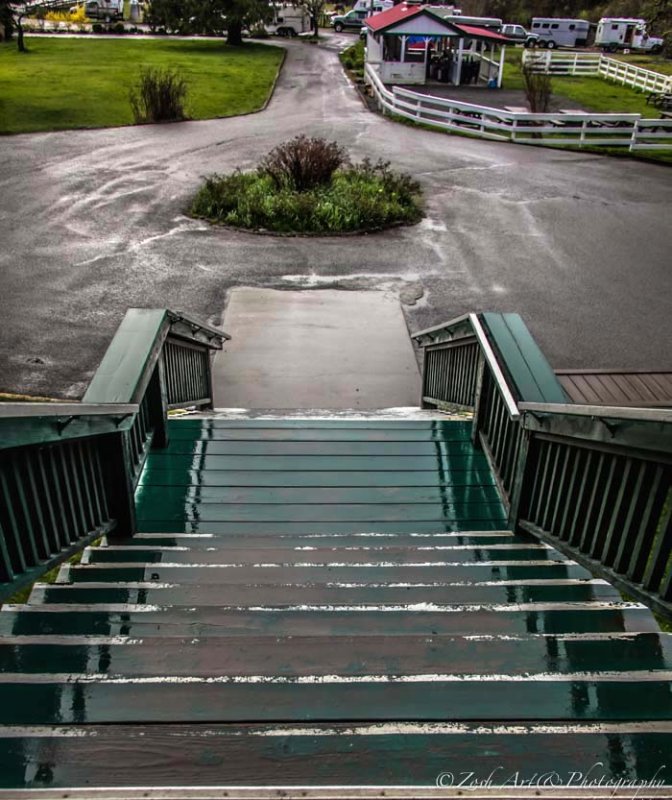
<point>315,349</point>
<point>92,222</point>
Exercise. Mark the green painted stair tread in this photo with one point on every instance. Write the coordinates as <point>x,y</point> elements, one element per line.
<point>310,621</point>
<point>173,700</point>
<point>260,527</point>
<point>207,433</point>
<point>330,449</point>
<point>410,463</point>
<point>449,426</point>
<point>217,575</point>
<point>247,594</point>
<point>377,540</point>
<point>150,496</point>
<point>326,556</point>
<point>359,655</point>
<point>321,512</point>
<point>359,449</point>
<point>331,754</point>
<point>158,474</point>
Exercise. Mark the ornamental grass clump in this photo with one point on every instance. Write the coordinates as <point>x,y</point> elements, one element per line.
<point>303,163</point>
<point>159,96</point>
<point>310,186</point>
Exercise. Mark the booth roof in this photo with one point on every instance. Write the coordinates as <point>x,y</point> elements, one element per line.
<point>393,16</point>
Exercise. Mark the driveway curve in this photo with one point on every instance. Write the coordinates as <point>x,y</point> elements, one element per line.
<point>92,222</point>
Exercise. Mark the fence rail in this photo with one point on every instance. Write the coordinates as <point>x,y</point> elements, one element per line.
<point>551,129</point>
<point>556,62</point>
<point>596,482</point>
<point>68,471</point>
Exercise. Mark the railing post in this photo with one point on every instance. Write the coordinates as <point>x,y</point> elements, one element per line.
<point>158,404</point>
<point>478,401</point>
<point>119,479</point>
<point>208,378</point>
<point>521,479</point>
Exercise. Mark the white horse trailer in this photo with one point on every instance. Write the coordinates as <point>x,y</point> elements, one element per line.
<point>622,33</point>
<point>554,32</point>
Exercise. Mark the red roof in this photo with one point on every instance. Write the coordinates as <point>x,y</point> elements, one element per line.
<point>393,15</point>
<point>480,33</point>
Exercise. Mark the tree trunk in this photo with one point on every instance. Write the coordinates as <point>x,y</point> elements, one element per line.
<point>19,38</point>
<point>316,27</point>
<point>234,33</point>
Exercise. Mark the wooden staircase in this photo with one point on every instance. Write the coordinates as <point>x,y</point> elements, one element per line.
<point>326,603</point>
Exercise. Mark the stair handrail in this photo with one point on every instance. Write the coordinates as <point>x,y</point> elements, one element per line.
<point>594,481</point>
<point>68,471</point>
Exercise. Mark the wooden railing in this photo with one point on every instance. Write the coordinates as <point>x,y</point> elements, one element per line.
<point>68,471</point>
<point>596,482</point>
<point>555,129</point>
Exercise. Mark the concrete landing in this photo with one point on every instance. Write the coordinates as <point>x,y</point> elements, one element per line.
<point>315,349</point>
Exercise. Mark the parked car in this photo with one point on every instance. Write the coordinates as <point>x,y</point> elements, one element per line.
<point>352,21</point>
<point>520,35</point>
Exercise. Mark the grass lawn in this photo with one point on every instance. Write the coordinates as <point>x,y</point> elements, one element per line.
<point>595,94</point>
<point>84,83</point>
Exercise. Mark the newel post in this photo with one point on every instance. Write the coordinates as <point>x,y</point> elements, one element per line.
<point>479,401</point>
<point>157,392</point>
<point>119,483</point>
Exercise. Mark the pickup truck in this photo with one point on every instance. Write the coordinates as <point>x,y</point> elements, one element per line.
<point>518,34</point>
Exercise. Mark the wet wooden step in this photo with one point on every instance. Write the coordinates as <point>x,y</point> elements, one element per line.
<point>311,432</point>
<point>439,449</point>
<point>308,620</point>
<point>176,509</point>
<point>272,527</point>
<point>320,555</point>
<point>206,495</point>
<point>163,474</point>
<point>320,594</point>
<point>309,754</point>
<point>30,699</point>
<point>203,541</point>
<point>377,572</point>
<point>316,655</point>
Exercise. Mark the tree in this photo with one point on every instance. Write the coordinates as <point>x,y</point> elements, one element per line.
<point>213,17</point>
<point>314,10</point>
<point>7,19</point>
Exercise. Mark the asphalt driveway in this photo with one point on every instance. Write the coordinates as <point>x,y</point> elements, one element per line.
<point>92,222</point>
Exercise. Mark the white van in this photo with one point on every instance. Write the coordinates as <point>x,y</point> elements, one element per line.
<point>621,33</point>
<point>288,20</point>
<point>554,32</point>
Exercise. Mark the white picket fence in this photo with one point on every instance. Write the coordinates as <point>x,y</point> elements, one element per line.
<point>558,62</point>
<point>485,122</point>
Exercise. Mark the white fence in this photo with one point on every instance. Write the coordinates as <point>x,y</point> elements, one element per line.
<point>555,62</point>
<point>575,130</point>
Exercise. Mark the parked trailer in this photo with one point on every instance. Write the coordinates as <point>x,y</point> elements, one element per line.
<point>107,10</point>
<point>554,32</point>
<point>625,33</point>
<point>289,20</point>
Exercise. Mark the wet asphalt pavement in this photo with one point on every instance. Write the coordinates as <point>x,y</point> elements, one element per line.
<point>92,222</point>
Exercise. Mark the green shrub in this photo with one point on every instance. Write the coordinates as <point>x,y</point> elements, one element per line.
<point>97,27</point>
<point>358,197</point>
<point>303,163</point>
<point>159,96</point>
<point>118,27</point>
<point>353,58</point>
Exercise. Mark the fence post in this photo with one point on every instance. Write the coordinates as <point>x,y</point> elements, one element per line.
<point>117,462</point>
